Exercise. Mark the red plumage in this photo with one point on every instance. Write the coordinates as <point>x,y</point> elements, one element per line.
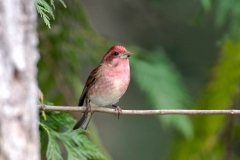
<point>106,83</point>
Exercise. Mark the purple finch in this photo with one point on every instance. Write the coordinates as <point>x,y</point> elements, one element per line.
<point>106,83</point>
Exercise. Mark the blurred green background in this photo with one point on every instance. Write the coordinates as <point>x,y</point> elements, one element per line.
<point>186,56</point>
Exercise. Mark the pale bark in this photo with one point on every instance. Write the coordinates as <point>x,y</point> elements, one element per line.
<point>19,138</point>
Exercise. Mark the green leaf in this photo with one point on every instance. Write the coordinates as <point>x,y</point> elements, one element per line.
<point>75,142</point>
<point>53,150</point>
<point>62,2</point>
<point>43,8</point>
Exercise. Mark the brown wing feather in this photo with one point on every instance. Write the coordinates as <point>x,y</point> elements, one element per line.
<point>88,84</point>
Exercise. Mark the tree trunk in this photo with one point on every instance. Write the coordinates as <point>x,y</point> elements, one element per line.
<point>19,138</point>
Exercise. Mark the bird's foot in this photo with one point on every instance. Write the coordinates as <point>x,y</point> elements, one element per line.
<point>118,110</point>
<point>88,109</point>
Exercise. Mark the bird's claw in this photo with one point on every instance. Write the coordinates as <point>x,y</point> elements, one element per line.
<point>118,110</point>
<point>88,109</point>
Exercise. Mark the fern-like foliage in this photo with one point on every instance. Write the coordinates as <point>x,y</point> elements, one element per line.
<point>44,9</point>
<point>163,85</point>
<point>220,93</point>
<point>75,142</point>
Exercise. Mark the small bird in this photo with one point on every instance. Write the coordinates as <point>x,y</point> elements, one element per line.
<point>106,83</point>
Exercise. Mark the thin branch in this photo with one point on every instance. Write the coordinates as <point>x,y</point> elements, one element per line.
<point>136,112</point>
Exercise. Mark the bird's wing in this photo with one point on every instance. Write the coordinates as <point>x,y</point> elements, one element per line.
<point>91,79</point>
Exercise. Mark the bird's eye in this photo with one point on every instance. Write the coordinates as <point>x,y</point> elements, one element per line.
<point>115,53</point>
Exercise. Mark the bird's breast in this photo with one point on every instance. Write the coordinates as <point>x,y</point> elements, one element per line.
<point>110,85</point>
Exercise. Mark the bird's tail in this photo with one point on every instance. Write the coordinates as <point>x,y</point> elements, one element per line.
<point>83,121</point>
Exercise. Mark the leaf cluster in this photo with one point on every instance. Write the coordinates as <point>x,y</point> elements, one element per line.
<point>74,142</point>
<point>43,8</point>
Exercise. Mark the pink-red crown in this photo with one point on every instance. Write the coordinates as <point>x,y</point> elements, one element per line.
<point>118,49</point>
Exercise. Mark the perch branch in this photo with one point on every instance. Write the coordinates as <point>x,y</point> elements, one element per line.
<point>137,112</point>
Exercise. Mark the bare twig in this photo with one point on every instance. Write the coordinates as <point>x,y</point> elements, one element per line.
<point>136,112</point>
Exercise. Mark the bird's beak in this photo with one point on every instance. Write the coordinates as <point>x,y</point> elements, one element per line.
<point>127,53</point>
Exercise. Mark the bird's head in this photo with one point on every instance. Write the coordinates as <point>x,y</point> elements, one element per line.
<point>116,53</point>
